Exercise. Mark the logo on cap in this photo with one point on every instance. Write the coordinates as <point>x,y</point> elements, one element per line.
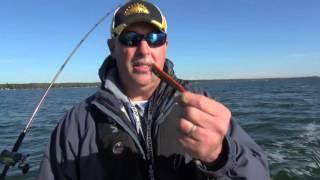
<point>136,8</point>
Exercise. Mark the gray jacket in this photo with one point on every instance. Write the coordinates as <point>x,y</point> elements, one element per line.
<point>96,140</point>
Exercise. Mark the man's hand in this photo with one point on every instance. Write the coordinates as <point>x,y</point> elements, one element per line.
<point>204,123</point>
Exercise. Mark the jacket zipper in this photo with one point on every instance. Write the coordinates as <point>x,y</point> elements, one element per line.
<point>149,147</point>
<point>149,139</point>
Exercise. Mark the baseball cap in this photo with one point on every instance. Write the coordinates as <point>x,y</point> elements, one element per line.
<point>136,11</point>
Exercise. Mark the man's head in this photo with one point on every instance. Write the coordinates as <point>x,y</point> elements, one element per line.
<point>138,38</point>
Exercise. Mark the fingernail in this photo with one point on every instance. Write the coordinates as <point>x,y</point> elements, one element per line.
<point>180,98</point>
<point>184,98</point>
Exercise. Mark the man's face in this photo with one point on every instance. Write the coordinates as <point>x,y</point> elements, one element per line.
<point>132,61</point>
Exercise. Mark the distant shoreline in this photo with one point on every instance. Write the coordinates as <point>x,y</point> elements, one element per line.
<point>46,85</point>
<point>9,86</point>
<point>267,78</point>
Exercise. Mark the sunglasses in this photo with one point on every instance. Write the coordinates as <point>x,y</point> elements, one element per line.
<point>132,39</point>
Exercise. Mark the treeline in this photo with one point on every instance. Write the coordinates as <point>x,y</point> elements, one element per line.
<point>45,85</point>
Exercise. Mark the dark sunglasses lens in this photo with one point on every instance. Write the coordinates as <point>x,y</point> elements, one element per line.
<point>134,39</point>
<point>129,39</point>
<point>156,39</point>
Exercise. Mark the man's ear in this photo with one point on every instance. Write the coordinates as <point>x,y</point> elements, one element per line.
<point>111,45</point>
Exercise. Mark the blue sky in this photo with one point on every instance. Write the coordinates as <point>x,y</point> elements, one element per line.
<point>208,39</point>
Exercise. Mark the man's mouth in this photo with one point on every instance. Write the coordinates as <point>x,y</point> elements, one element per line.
<point>142,67</point>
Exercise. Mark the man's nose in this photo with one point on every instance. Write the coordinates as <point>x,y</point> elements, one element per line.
<point>144,47</point>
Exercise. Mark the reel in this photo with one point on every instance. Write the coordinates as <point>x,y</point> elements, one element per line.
<point>9,158</point>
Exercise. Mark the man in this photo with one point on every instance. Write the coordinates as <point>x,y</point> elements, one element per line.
<point>139,127</point>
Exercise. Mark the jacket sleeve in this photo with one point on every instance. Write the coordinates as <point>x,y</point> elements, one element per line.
<point>241,158</point>
<point>59,159</point>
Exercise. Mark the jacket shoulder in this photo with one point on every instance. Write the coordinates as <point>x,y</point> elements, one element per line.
<point>77,121</point>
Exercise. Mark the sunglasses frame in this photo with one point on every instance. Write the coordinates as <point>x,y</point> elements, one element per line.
<point>136,38</point>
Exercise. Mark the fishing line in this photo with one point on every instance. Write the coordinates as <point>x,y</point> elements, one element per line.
<point>11,158</point>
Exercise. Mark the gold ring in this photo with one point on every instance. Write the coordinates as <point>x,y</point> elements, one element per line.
<point>192,130</point>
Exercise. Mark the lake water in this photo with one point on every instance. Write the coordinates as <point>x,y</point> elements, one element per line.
<point>282,115</point>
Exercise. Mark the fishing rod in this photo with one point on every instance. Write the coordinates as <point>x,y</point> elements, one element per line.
<point>11,158</point>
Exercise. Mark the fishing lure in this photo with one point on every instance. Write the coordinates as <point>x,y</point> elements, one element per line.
<point>164,76</point>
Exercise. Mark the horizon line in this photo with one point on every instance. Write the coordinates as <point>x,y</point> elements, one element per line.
<point>221,79</point>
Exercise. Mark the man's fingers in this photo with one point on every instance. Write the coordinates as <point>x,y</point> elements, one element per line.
<point>189,129</point>
<point>203,124</point>
<point>201,102</point>
<point>204,149</point>
<point>200,118</point>
<point>186,126</point>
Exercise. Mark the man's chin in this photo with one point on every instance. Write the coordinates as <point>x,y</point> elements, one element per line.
<point>145,80</point>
